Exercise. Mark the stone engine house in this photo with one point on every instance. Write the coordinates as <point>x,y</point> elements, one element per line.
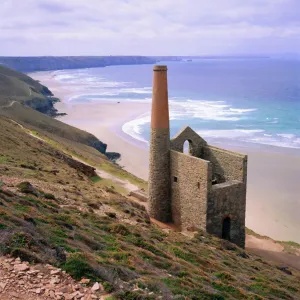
<point>204,188</point>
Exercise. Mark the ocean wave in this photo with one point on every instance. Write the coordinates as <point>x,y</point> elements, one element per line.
<point>63,77</point>
<point>143,90</point>
<point>134,128</point>
<point>206,110</point>
<point>230,133</point>
<point>180,108</point>
<point>287,135</point>
<point>273,141</point>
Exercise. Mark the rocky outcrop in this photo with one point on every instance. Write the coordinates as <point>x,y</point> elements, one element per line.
<point>44,105</point>
<point>79,166</point>
<point>20,280</point>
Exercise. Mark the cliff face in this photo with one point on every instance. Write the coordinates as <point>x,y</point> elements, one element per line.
<point>46,63</point>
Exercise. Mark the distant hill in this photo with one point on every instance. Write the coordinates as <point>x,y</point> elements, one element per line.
<point>47,63</point>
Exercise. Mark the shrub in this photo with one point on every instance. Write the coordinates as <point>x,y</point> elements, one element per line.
<point>77,266</point>
<point>27,188</point>
<point>49,196</point>
<point>119,228</point>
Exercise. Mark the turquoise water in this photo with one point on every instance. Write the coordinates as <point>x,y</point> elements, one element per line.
<point>255,100</point>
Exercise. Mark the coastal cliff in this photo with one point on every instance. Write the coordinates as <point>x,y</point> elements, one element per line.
<point>31,104</point>
<point>48,63</point>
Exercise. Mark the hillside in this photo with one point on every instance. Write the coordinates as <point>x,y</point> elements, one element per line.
<point>56,210</point>
<point>18,87</point>
<point>32,104</point>
<point>46,63</point>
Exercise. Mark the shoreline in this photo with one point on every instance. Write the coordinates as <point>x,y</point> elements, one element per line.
<point>273,207</point>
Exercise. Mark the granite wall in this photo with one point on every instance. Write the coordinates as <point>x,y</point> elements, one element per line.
<point>227,165</point>
<point>196,143</point>
<point>159,175</point>
<point>227,200</point>
<point>190,184</point>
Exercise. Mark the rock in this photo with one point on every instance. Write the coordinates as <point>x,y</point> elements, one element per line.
<point>60,254</point>
<point>97,286</point>
<point>71,296</point>
<point>65,289</point>
<point>27,188</point>
<point>111,214</point>
<point>32,272</point>
<point>285,270</point>
<point>52,294</point>
<point>14,295</point>
<point>38,291</point>
<point>55,272</point>
<point>85,281</point>
<point>54,280</point>
<point>2,286</point>
<point>21,267</point>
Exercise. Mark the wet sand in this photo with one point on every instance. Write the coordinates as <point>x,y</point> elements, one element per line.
<point>273,194</point>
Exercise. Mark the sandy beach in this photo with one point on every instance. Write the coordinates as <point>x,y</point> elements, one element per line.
<point>273,201</point>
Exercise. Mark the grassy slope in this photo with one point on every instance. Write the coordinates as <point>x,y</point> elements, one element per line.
<point>21,88</point>
<point>109,238</point>
<point>15,86</point>
<point>71,140</point>
<point>36,120</point>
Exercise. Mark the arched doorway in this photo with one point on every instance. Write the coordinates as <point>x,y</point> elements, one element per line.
<point>188,147</point>
<point>226,228</point>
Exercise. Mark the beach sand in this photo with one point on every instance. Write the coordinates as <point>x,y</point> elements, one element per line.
<point>273,192</point>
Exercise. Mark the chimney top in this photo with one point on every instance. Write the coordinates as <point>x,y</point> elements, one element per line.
<point>160,68</point>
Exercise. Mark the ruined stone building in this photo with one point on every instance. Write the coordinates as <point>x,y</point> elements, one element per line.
<point>205,188</point>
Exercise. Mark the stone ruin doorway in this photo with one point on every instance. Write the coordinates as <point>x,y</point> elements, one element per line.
<point>226,226</point>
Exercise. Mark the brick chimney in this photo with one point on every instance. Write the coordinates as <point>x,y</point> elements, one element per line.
<point>159,168</point>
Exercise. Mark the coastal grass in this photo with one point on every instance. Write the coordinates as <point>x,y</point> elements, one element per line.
<point>94,158</point>
<point>111,249</point>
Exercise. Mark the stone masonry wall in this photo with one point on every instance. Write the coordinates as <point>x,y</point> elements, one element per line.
<point>190,183</point>
<point>159,175</point>
<point>195,141</point>
<point>229,165</point>
<point>227,199</point>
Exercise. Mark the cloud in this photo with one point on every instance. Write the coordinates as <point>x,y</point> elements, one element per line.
<point>156,27</point>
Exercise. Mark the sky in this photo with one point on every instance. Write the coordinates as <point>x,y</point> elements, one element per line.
<point>149,27</point>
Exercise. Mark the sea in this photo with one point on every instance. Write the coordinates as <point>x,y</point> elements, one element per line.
<point>253,101</point>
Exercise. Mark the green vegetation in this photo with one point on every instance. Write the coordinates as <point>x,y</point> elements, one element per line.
<point>291,247</point>
<point>20,88</point>
<point>115,251</point>
<point>77,266</point>
<point>251,232</point>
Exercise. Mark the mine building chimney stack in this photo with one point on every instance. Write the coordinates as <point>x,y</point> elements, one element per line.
<point>159,169</point>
